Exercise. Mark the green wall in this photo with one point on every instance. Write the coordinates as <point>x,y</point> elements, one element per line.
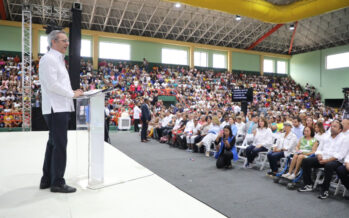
<point>11,41</point>
<point>246,62</point>
<point>11,38</point>
<point>311,68</point>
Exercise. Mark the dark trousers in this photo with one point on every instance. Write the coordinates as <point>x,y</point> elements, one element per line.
<point>135,124</point>
<point>252,152</point>
<point>273,158</point>
<point>106,129</point>
<point>343,174</point>
<point>313,162</point>
<point>197,140</point>
<point>144,131</point>
<point>224,159</point>
<point>56,148</point>
<point>161,130</point>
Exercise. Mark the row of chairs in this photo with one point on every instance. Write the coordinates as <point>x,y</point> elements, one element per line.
<point>262,162</point>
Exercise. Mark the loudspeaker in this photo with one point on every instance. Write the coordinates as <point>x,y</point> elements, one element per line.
<point>77,6</point>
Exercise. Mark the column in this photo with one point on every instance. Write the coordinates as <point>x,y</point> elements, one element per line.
<point>230,63</point>
<point>261,64</point>
<point>191,57</point>
<point>35,44</point>
<point>95,52</point>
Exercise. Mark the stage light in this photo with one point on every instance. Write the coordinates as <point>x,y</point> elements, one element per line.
<point>292,27</point>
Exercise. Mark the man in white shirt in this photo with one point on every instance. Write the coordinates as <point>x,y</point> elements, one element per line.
<point>164,123</point>
<point>329,155</point>
<point>283,148</point>
<point>57,104</point>
<point>136,113</point>
<point>343,170</point>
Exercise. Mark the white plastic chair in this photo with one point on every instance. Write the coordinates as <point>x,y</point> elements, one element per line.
<point>248,139</point>
<point>262,159</point>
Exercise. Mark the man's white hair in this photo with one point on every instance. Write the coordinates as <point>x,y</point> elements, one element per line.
<point>53,36</point>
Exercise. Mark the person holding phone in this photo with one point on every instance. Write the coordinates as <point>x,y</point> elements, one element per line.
<point>225,148</point>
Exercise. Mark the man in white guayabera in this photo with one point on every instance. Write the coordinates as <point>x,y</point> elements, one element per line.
<point>57,104</point>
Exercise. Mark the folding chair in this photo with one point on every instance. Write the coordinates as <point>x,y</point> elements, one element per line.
<point>247,141</point>
<point>319,178</point>
<point>262,159</point>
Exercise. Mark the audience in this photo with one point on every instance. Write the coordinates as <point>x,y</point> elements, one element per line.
<point>329,155</point>
<point>203,114</point>
<point>306,147</point>
<point>284,147</point>
<point>262,141</point>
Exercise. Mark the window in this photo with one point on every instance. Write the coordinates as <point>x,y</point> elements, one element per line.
<point>111,50</point>
<point>337,61</point>
<point>43,44</point>
<point>85,50</point>
<point>200,59</point>
<point>281,67</point>
<point>85,46</point>
<point>174,56</point>
<point>219,61</point>
<point>268,66</point>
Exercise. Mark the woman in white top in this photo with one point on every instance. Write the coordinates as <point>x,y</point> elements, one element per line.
<point>320,132</point>
<point>262,141</point>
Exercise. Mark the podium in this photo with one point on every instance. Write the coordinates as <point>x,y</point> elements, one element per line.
<point>90,120</point>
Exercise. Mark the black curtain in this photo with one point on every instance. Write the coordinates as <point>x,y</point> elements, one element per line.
<point>74,56</point>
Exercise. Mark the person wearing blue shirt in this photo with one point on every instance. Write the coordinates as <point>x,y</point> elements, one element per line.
<point>225,148</point>
<point>233,127</point>
<point>297,128</point>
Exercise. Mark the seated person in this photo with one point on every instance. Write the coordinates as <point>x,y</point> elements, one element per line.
<point>240,126</point>
<point>211,136</point>
<point>191,137</point>
<point>284,147</point>
<point>225,148</point>
<point>202,132</point>
<point>329,154</point>
<point>250,127</point>
<point>188,131</point>
<point>307,146</point>
<point>343,170</point>
<point>262,141</point>
<point>343,174</point>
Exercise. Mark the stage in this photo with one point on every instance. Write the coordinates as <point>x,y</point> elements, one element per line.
<point>131,189</point>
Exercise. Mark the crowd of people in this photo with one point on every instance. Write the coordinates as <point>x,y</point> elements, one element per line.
<point>283,119</point>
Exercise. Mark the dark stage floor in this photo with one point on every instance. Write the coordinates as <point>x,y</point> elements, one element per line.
<point>236,192</point>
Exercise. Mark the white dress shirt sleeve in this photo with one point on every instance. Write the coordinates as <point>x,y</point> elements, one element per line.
<point>343,148</point>
<point>346,160</point>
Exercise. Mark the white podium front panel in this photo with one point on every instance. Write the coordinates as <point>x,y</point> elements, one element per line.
<point>96,138</point>
<point>90,120</point>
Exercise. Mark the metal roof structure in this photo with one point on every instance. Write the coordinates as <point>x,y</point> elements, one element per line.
<point>161,19</point>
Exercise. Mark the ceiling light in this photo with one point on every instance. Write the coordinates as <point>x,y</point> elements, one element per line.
<point>292,27</point>
<point>237,17</point>
<point>178,5</point>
